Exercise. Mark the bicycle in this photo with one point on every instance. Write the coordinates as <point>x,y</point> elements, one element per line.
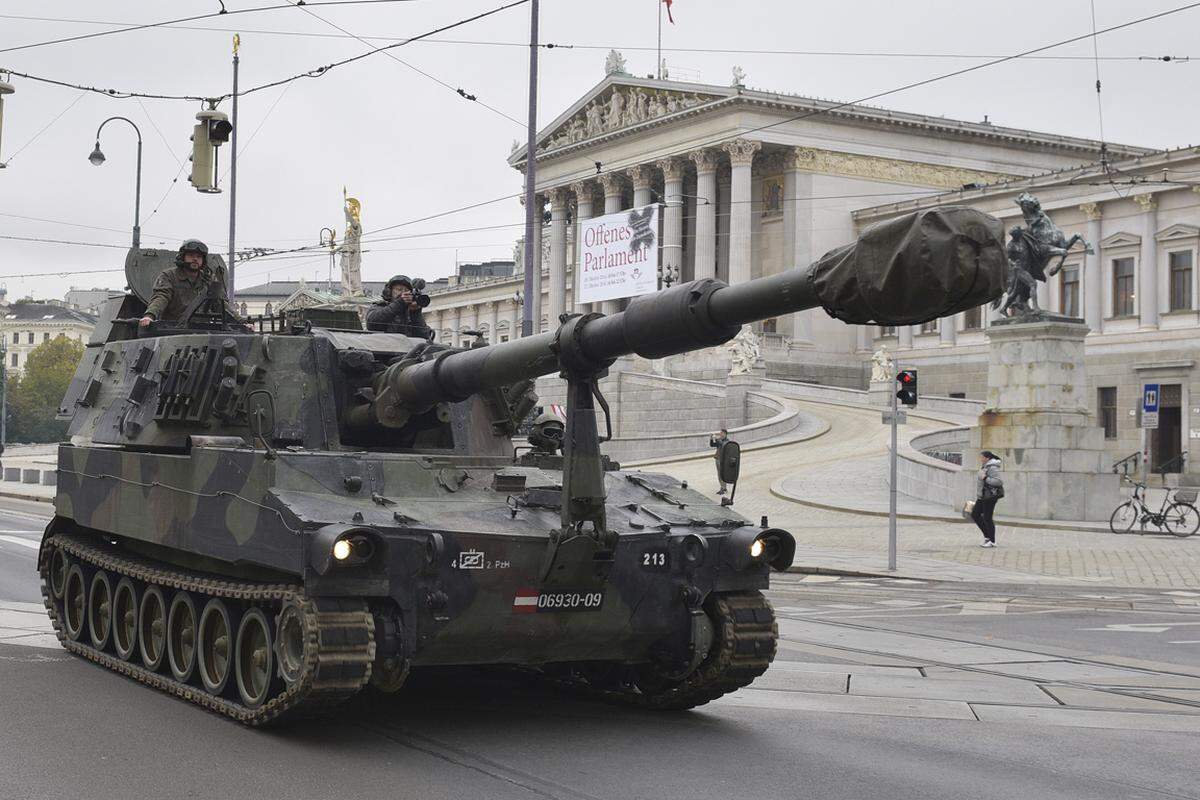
<point>1176,514</point>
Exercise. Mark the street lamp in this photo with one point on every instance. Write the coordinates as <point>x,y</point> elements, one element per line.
<point>97,158</point>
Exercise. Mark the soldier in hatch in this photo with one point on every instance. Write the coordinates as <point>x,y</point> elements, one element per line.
<point>398,311</point>
<point>176,288</point>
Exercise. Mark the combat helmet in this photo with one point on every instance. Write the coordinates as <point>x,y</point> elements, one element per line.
<point>387,287</point>
<point>192,246</point>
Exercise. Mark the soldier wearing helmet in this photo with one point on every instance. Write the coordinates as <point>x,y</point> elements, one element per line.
<point>398,311</point>
<point>177,287</point>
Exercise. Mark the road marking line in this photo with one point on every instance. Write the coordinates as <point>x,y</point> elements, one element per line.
<point>1141,627</point>
<point>33,544</point>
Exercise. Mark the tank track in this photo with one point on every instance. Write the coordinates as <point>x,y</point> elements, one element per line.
<point>338,649</point>
<point>744,646</point>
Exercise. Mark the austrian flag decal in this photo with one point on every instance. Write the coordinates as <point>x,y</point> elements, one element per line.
<point>526,601</point>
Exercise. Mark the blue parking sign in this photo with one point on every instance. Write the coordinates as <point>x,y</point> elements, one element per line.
<point>1150,398</point>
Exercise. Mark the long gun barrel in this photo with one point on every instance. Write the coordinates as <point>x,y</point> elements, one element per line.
<point>905,271</point>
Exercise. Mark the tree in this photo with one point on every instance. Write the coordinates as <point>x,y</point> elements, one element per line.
<point>34,398</point>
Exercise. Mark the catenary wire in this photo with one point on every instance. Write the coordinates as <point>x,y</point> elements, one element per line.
<point>45,128</point>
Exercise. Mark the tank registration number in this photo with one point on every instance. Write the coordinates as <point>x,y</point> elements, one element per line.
<point>532,601</point>
<point>654,559</point>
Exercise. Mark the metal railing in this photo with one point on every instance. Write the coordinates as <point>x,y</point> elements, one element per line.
<point>1127,464</point>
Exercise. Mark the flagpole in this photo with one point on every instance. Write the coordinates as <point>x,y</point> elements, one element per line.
<point>658,61</point>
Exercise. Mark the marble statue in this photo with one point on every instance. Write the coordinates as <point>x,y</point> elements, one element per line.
<point>1030,249</point>
<point>883,368</point>
<point>614,63</point>
<point>745,350</point>
<point>616,110</point>
<point>595,119</point>
<point>351,249</point>
<point>739,76</point>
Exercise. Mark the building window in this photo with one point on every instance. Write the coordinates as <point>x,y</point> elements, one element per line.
<point>1122,287</point>
<point>46,337</point>
<point>929,327</point>
<point>31,337</point>
<point>16,337</point>
<point>1181,280</point>
<point>14,358</point>
<point>770,325</point>
<point>958,395</point>
<point>973,319</point>
<point>887,330</point>
<point>1069,291</point>
<point>1107,404</point>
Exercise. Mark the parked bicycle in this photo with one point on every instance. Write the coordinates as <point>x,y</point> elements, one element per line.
<point>1176,515</point>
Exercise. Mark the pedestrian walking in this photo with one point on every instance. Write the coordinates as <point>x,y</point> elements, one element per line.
<point>990,490</point>
<point>719,440</point>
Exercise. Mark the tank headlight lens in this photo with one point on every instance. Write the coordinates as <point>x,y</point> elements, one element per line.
<point>756,548</point>
<point>341,549</point>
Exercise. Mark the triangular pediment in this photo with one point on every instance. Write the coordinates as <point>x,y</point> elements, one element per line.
<point>1121,240</point>
<point>1178,232</point>
<point>616,104</point>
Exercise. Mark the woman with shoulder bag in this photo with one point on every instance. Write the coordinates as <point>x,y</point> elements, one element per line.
<point>991,489</point>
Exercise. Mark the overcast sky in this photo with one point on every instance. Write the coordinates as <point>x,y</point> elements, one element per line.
<point>408,147</point>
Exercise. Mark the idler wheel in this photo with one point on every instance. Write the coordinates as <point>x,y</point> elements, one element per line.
<point>58,572</point>
<point>181,636</point>
<point>289,644</point>
<point>74,600</point>
<point>152,628</point>
<point>125,619</point>
<point>214,649</point>
<point>100,609</point>
<point>253,658</point>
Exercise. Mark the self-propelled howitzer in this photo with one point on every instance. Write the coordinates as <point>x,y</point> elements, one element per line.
<point>263,521</point>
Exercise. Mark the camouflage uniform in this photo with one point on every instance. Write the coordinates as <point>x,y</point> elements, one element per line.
<point>176,288</point>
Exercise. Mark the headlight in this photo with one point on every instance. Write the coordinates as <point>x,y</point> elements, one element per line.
<point>341,549</point>
<point>343,546</point>
<point>756,548</point>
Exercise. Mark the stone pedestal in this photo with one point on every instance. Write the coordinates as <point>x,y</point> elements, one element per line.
<point>880,393</point>
<point>1037,421</point>
<point>736,389</point>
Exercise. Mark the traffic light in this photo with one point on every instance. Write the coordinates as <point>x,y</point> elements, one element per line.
<point>906,379</point>
<point>211,131</point>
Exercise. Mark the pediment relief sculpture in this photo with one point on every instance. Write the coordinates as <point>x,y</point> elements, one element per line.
<point>621,107</point>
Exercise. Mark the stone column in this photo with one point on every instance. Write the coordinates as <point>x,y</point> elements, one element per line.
<point>797,234</point>
<point>455,330</point>
<point>583,210</point>
<point>1093,287</point>
<point>643,176</point>
<point>672,237</point>
<point>948,335</point>
<point>470,318</point>
<point>706,213</point>
<point>1147,293</point>
<point>558,253</point>
<point>514,321</point>
<point>904,334</point>
<point>493,321</point>
<point>741,158</point>
<point>723,181</point>
<point>612,185</point>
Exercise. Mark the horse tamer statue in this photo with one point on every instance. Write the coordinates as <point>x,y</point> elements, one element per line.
<point>1032,247</point>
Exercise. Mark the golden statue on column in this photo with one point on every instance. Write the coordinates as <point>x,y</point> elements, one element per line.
<point>351,247</point>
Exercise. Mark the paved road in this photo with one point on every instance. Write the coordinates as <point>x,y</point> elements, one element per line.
<point>882,688</point>
<point>850,460</point>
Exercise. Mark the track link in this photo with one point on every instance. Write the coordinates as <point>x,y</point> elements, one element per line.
<point>339,634</point>
<point>743,648</point>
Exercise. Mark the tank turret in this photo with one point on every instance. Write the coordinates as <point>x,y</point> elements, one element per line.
<point>264,516</point>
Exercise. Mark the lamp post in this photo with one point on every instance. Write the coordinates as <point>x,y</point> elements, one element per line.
<point>330,241</point>
<point>97,158</point>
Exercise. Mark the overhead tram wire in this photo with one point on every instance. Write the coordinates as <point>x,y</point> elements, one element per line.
<point>44,128</point>
<point>458,90</point>
<point>193,18</point>
<point>621,47</point>
<point>315,72</point>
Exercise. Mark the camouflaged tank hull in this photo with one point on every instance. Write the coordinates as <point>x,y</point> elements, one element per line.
<point>464,572</point>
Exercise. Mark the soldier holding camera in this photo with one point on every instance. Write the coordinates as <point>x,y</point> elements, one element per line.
<point>400,309</point>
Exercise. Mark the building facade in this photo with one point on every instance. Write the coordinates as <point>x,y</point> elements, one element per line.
<point>1137,292</point>
<point>752,183</point>
<point>26,325</point>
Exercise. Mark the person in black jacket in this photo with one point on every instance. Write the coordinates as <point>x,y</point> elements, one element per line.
<point>719,440</point>
<point>398,311</point>
<point>990,488</point>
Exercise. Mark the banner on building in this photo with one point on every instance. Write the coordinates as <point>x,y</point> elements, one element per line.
<point>618,255</point>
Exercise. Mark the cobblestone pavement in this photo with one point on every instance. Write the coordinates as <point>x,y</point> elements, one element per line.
<point>851,459</point>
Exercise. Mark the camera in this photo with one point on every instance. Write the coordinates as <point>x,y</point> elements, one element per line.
<point>418,293</point>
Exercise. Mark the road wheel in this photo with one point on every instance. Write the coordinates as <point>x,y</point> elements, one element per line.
<point>152,628</point>
<point>100,609</point>
<point>253,658</point>
<point>1123,518</point>
<point>290,643</point>
<point>124,619</point>
<point>181,636</point>
<point>215,646</point>
<point>58,572</point>
<point>1182,519</point>
<point>74,600</point>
